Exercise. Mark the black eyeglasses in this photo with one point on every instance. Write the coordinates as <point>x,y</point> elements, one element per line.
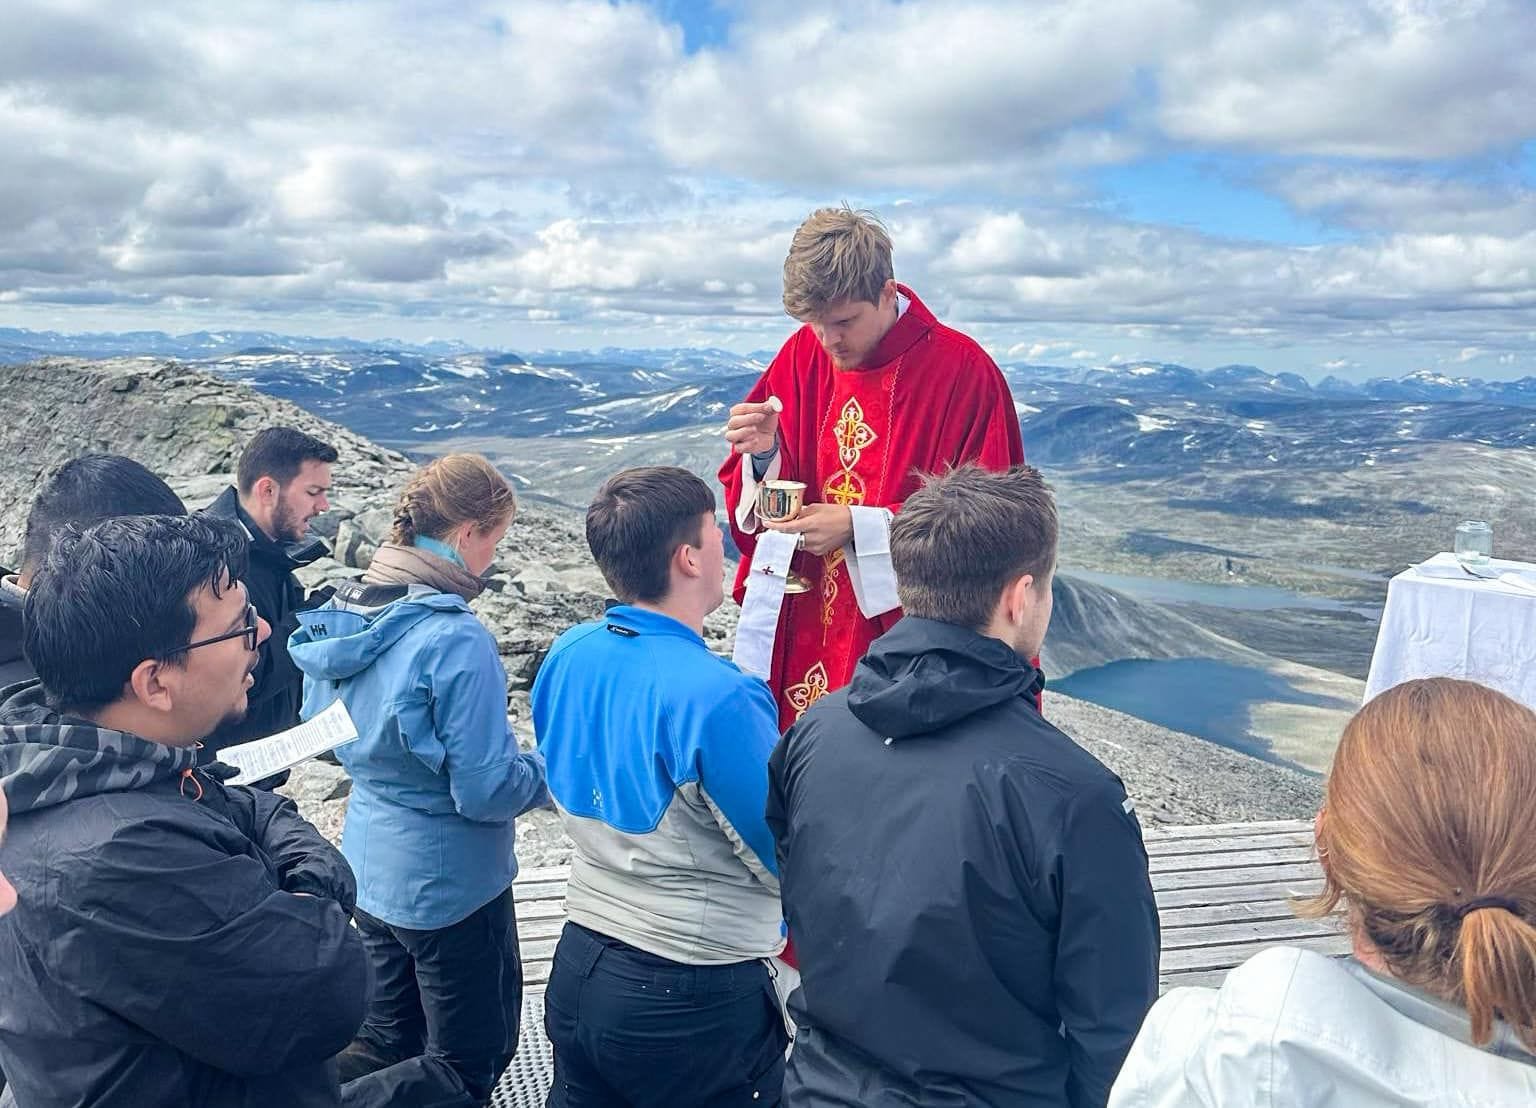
<point>248,632</point>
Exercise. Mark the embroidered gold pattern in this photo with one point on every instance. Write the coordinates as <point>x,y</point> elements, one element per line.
<point>808,691</point>
<point>852,433</point>
<point>829,589</point>
<point>846,488</point>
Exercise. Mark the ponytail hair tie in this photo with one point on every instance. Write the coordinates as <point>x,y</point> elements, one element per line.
<point>1466,908</point>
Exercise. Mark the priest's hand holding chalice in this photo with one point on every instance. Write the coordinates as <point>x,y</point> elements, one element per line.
<point>781,502</point>
<point>753,429</point>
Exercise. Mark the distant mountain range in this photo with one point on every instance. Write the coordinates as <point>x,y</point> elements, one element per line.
<point>1142,416</point>
<point>1131,378</point>
<point>1246,381</point>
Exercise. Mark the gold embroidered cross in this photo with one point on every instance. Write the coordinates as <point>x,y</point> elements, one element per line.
<point>851,433</point>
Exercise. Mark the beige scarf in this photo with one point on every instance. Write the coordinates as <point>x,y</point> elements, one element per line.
<point>394,564</point>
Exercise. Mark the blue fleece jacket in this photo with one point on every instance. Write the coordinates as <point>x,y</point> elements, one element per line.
<point>658,760</point>
<point>437,778</point>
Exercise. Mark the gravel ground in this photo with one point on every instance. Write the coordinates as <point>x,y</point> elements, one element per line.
<point>1173,777</point>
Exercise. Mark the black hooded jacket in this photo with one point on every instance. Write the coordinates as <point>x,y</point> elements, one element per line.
<point>14,666</point>
<point>157,954</point>
<point>273,702</point>
<point>965,886</point>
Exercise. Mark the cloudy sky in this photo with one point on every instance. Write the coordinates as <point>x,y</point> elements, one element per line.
<point>1325,186</point>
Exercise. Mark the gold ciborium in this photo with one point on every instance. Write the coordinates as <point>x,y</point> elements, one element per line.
<point>780,502</point>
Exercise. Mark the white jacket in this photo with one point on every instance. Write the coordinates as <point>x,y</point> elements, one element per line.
<point>1294,1029</point>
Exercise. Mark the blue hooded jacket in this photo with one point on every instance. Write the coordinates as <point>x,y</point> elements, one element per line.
<point>437,777</point>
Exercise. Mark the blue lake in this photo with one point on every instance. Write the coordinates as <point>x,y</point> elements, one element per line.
<point>1200,696</point>
<point>1253,598</point>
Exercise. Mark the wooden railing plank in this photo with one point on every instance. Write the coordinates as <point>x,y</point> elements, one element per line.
<point>1174,848</point>
<point>1232,954</point>
<point>1226,859</point>
<point>1207,830</point>
<point>1264,874</point>
<point>1204,896</point>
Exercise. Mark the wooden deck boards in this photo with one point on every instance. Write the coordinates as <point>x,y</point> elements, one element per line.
<point>1223,894</point>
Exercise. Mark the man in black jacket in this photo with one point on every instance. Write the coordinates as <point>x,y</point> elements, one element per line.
<point>176,942</point>
<point>281,484</point>
<point>83,491</point>
<point>965,886</point>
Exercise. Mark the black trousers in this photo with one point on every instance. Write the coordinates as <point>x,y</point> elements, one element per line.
<point>631,1030</point>
<point>443,1022</point>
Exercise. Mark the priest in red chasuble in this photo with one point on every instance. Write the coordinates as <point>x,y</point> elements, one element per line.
<point>872,392</point>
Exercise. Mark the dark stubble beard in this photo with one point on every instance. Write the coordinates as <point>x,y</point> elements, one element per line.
<point>285,525</point>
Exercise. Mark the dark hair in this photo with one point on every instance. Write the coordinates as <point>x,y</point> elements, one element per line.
<point>961,538</point>
<point>447,492</point>
<point>109,597</point>
<point>89,489</point>
<point>637,521</point>
<point>279,453</point>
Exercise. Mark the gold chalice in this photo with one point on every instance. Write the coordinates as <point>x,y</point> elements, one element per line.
<point>780,502</point>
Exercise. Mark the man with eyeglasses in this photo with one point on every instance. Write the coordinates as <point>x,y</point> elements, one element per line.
<point>176,941</point>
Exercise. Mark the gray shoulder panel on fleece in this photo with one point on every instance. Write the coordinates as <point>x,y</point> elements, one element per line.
<point>682,890</point>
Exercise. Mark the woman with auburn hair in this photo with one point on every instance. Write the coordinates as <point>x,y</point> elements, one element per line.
<point>1427,837</point>
<point>437,780</point>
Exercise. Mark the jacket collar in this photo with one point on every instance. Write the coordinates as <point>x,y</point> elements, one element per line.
<point>924,675</point>
<point>47,759</point>
<point>643,621</point>
<point>1436,1014</point>
<point>288,555</point>
<point>907,332</point>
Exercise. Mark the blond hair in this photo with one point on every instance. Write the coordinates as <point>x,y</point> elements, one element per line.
<point>1428,833</point>
<point>837,254</point>
<point>451,491</point>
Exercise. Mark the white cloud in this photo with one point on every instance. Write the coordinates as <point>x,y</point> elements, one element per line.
<point>919,92</point>
<point>569,164</point>
<point>1373,198</point>
<point>1378,79</point>
<point>1033,351</point>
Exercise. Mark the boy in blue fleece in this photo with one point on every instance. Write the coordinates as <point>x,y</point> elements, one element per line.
<point>656,752</point>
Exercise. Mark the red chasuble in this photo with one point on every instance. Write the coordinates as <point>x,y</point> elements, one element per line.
<point>927,397</point>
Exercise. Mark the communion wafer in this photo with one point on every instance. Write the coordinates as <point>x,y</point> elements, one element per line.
<point>776,404</point>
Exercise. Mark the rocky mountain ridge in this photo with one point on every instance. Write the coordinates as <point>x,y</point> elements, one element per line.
<point>190,427</point>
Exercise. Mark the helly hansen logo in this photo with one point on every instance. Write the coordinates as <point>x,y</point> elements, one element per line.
<point>317,630</point>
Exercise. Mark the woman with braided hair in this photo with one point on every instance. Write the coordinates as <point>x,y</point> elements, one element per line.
<point>1427,839</point>
<point>437,780</point>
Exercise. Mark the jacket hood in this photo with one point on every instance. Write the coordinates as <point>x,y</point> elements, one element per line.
<point>48,759</point>
<point>287,555</point>
<point>341,639</point>
<point>923,675</point>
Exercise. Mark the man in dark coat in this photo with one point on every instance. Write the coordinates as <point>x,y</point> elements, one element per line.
<point>176,942</point>
<point>281,484</point>
<point>966,887</point>
<point>83,491</point>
